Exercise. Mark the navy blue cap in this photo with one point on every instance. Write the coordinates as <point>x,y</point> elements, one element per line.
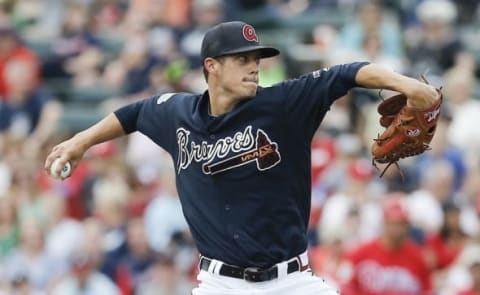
<point>233,37</point>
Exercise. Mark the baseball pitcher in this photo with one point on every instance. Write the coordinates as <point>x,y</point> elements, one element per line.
<point>242,158</point>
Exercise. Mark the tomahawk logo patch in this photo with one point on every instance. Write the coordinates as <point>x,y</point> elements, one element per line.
<point>217,157</point>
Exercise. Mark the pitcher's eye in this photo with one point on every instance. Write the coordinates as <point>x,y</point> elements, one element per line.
<point>242,58</point>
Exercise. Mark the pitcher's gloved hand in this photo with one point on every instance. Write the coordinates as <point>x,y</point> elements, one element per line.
<point>409,130</point>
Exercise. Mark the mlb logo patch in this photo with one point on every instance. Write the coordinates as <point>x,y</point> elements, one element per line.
<point>318,73</point>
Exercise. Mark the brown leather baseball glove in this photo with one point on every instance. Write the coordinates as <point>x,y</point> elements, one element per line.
<point>409,130</point>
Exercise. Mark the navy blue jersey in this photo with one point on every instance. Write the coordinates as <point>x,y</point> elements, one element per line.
<point>243,178</point>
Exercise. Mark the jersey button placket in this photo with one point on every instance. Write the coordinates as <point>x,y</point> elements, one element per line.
<point>212,136</point>
<point>236,236</point>
<point>228,207</point>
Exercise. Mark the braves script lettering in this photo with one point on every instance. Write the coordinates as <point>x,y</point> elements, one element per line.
<point>242,148</point>
<point>189,151</point>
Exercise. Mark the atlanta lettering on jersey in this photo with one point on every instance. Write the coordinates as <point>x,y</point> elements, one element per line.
<point>244,147</point>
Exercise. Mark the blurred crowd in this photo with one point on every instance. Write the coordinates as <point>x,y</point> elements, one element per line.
<point>116,226</point>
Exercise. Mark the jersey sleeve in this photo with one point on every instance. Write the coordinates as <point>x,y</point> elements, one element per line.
<point>308,98</point>
<point>152,117</point>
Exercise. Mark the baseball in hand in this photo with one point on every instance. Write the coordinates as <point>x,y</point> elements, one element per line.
<point>64,173</point>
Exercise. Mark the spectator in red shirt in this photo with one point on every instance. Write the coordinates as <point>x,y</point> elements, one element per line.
<point>30,112</point>
<point>390,264</point>
<point>12,50</point>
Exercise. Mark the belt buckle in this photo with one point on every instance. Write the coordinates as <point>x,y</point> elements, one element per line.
<point>251,274</point>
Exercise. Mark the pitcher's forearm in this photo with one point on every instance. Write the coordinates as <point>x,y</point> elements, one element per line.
<point>106,129</point>
<point>72,150</point>
<point>419,94</point>
<point>377,76</point>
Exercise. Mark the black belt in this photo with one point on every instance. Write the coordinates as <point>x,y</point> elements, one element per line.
<point>252,274</point>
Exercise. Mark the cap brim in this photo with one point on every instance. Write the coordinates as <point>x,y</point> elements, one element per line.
<point>265,51</point>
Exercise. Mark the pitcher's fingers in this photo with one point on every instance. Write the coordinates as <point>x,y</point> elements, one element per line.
<point>62,161</point>
<point>50,158</point>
